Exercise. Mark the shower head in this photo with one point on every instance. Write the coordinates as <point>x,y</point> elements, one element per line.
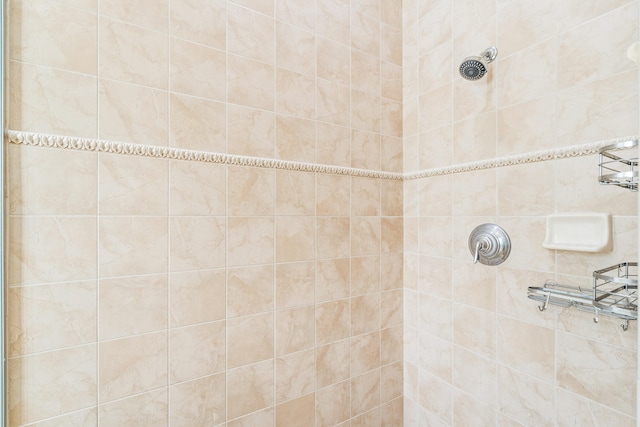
<point>475,67</point>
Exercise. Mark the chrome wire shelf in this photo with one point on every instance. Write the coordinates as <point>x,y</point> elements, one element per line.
<point>614,293</point>
<point>617,170</point>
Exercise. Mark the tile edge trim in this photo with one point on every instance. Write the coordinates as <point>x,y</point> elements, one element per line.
<point>114,147</point>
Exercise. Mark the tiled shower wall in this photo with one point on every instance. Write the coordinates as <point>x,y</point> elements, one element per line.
<point>477,351</point>
<point>149,291</point>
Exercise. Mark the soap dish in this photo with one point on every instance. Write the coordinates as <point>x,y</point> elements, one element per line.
<point>583,232</point>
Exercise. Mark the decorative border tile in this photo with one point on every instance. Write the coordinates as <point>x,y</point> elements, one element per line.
<point>518,159</point>
<point>103,146</point>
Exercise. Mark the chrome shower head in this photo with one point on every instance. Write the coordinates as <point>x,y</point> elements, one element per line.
<point>475,67</point>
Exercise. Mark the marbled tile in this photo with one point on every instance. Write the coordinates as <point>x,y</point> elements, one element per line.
<point>60,103</point>
<point>332,363</point>
<point>131,113</point>
<point>132,245</point>
<point>333,194</point>
<point>84,418</point>
<point>197,243</point>
<point>333,320</point>
<point>365,275</point>
<point>50,384</point>
<point>295,193</point>
<point>263,418</point>
<point>249,389</point>
<point>332,237</point>
<point>365,314</point>
<point>196,351</point>
<point>295,49</point>
<point>130,185</point>
<point>251,191</point>
<point>333,61</point>
<point>295,138</point>
<point>131,54</point>
<point>250,83</point>
<point>250,339</point>
<point>365,353</point>
<point>250,240</point>
<point>522,24</point>
<point>475,375</point>
<point>333,145</point>
<point>295,284</point>
<point>297,12</point>
<point>199,402</point>
<point>38,185</point>
<point>194,188</point>
<point>525,399</point>
<point>132,305</point>
<point>250,34</point>
<point>250,290</point>
<point>333,404</point>
<point>295,330</point>
<point>365,392</point>
<point>54,35</point>
<point>295,238</point>
<point>197,297</point>
<point>132,365</point>
<point>332,279</point>
<point>295,94</point>
<point>332,102</point>
<point>332,20</point>
<point>40,249</point>
<point>295,375</point>
<point>299,411</point>
<point>197,70</point>
<point>200,21</point>
<point>150,14</point>
<point>251,132</point>
<point>150,409</point>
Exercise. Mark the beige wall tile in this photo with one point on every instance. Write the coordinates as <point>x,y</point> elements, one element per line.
<point>365,353</point>
<point>469,411</point>
<point>525,399</point>
<point>391,308</point>
<point>38,185</point>
<point>598,109</point>
<point>195,188</point>
<point>295,49</point>
<point>132,365</point>
<point>333,195</point>
<point>295,193</point>
<point>475,139</point>
<point>264,418</point>
<point>333,21</point>
<point>295,94</point>
<point>197,70</point>
<point>297,12</point>
<point>332,100</point>
<point>132,305</point>
<point>365,196</point>
<point>370,418</point>
<point>49,317</point>
<point>333,145</point>
<point>534,356</point>
<point>196,297</point>
<point>250,240</point>
<point>391,384</point>
<point>608,37</point>
<point>143,62</point>
<point>130,113</point>
<point>522,24</point>
<point>50,384</point>
<point>614,366</point>
<point>435,355</point>
<point>365,111</point>
<point>436,397</point>
<point>296,412</point>
<point>40,249</point>
<point>332,279</point>
<point>295,239</point>
<point>196,351</point>
<point>365,392</point>
<point>132,245</point>
<point>295,375</point>
<point>365,235</point>
<point>197,243</point>
<point>572,408</point>
<point>435,196</point>
<point>84,418</point>
<point>250,132</point>
<point>295,330</point>
<point>132,185</point>
<point>250,339</point>
<point>295,284</point>
<point>474,285</point>
<point>391,340</point>
<point>365,275</point>
<point>392,413</point>
<point>474,330</point>
<point>333,404</point>
<point>60,103</point>
<point>249,389</point>
<point>333,321</point>
<point>151,409</point>
<point>295,139</point>
<point>250,290</point>
<point>332,235</point>
<point>365,314</point>
<point>476,193</point>
<point>250,34</point>
<point>147,13</point>
<point>200,21</point>
<point>250,83</point>
<point>333,61</point>
<point>332,363</point>
<point>201,401</point>
<point>527,126</point>
<point>55,35</point>
<point>251,191</point>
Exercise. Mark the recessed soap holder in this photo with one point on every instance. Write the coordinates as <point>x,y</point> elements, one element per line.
<point>583,232</point>
<point>489,244</point>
